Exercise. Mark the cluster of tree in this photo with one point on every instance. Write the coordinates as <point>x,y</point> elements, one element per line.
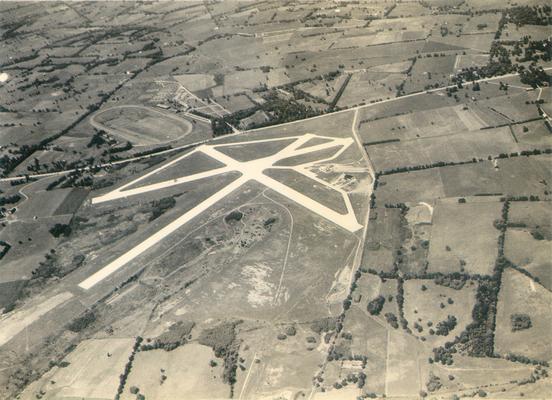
<point>437,164</point>
<point>443,354</point>
<point>47,269</point>
<point>358,379</point>
<point>525,153</point>
<point>531,197</point>
<point>120,149</point>
<point>403,207</point>
<point>82,322</point>
<point>222,339</point>
<point>234,216</point>
<point>400,304</point>
<point>434,383</point>
<point>5,248</point>
<point>323,325</point>
<point>535,50</point>
<point>97,139</point>
<point>520,322</point>
<point>392,320</point>
<point>176,336</point>
<point>152,151</point>
<point>478,337</point>
<point>339,92</point>
<point>527,15</point>
<point>14,198</point>
<point>159,207</point>
<point>454,281</point>
<point>223,125</point>
<point>525,360</point>
<point>73,179</point>
<point>60,230</point>
<point>375,306</point>
<point>444,327</point>
<point>534,76</point>
<point>53,184</point>
<point>128,367</point>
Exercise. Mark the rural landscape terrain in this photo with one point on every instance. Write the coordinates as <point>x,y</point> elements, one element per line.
<point>276,200</point>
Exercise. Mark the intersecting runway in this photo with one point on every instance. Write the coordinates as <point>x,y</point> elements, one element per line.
<point>249,170</point>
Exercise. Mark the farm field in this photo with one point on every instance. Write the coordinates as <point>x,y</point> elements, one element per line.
<point>458,147</point>
<point>91,371</point>
<point>457,246</point>
<point>195,379</point>
<point>477,179</point>
<point>275,200</point>
<point>528,342</point>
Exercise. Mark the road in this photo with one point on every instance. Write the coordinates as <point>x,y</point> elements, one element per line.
<point>187,146</point>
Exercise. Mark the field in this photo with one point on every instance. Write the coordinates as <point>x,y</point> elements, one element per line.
<point>461,146</point>
<point>423,299</point>
<point>187,371</point>
<point>507,177</point>
<point>367,87</point>
<point>275,200</point>
<point>92,371</point>
<point>459,246</point>
<point>430,71</point>
<point>528,239</point>
<point>383,238</point>
<point>44,203</point>
<point>29,241</point>
<point>274,367</point>
<point>402,374</point>
<point>532,135</point>
<point>196,82</point>
<point>421,124</point>
<point>520,295</point>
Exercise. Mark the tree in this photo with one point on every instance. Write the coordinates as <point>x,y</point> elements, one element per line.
<point>520,322</point>
<point>375,306</point>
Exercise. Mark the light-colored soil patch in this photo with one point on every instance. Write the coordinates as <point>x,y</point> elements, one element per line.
<point>12,324</point>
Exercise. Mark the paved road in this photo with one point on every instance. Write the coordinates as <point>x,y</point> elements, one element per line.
<point>258,129</point>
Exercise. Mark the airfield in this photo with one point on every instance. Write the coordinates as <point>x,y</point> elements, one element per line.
<point>266,200</point>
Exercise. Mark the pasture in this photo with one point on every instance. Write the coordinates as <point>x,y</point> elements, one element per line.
<point>427,303</point>
<point>520,295</point>
<point>463,237</point>
<point>92,372</point>
<point>187,370</point>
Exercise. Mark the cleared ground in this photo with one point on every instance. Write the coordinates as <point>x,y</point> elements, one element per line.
<point>520,295</point>
<point>464,238</point>
<point>188,374</point>
<point>92,372</point>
